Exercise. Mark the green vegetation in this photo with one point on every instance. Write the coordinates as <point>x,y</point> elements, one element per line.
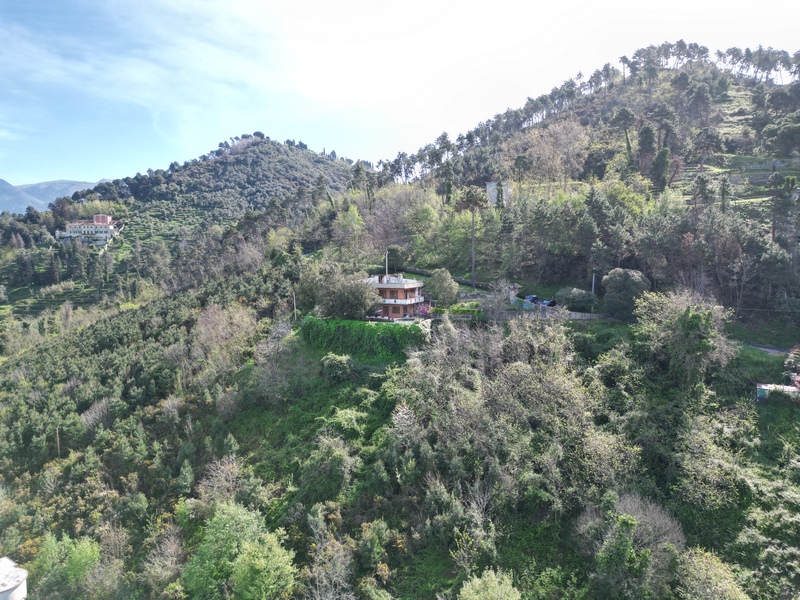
<point>442,287</point>
<point>362,339</point>
<point>197,410</point>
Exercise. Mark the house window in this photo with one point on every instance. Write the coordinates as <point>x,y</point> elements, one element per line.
<point>393,294</point>
<point>395,310</point>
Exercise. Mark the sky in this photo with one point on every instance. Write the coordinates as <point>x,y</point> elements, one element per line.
<point>93,89</point>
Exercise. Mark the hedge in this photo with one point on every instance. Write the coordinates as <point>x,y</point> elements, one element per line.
<point>361,338</point>
<point>475,312</point>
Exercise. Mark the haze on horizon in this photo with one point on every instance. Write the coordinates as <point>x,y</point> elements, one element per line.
<point>104,88</point>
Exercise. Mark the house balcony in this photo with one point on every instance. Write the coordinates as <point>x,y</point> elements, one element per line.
<point>407,301</point>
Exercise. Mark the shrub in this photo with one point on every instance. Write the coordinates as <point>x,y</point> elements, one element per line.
<point>361,338</point>
<point>575,299</point>
<point>489,586</point>
<point>336,367</point>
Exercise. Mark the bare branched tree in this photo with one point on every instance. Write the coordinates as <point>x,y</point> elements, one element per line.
<point>221,481</point>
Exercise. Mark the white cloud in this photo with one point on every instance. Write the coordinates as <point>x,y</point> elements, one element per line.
<point>368,78</point>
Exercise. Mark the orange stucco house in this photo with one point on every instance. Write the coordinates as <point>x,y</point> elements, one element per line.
<point>400,297</point>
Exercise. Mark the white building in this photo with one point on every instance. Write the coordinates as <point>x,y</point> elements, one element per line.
<point>491,191</point>
<point>13,580</point>
<point>101,228</point>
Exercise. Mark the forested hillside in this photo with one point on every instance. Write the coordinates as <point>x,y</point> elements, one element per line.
<point>185,413</point>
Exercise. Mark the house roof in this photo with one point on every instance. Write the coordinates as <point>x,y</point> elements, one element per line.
<point>11,576</point>
<point>394,282</point>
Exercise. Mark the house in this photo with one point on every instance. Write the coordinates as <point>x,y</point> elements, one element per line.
<point>400,297</point>
<point>99,229</point>
<point>13,580</point>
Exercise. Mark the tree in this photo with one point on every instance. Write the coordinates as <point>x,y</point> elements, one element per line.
<point>685,332</point>
<point>621,566</point>
<point>350,297</point>
<point>501,200</point>
<point>701,190</point>
<point>647,147</point>
<point>264,571</point>
<point>62,566</point>
<point>347,230</point>
<point>334,293</point>
<point>164,561</point>
<point>327,470</point>
<point>622,287</point>
<point>443,287</point>
<point>781,189</point>
<point>522,165</point>
<point>724,191</point>
<point>54,269</point>
<point>705,145</point>
<point>625,62</point>
<point>331,566</point>
<point>636,547</point>
<point>237,552</point>
<point>703,576</point>
<point>625,119</point>
<point>661,168</point>
<point>490,585</point>
<point>23,274</point>
<point>473,199</point>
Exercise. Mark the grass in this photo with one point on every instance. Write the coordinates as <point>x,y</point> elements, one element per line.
<point>739,377</point>
<point>778,428</point>
<point>275,433</point>
<point>529,546</point>
<point>543,290</point>
<point>769,329</point>
<point>425,574</point>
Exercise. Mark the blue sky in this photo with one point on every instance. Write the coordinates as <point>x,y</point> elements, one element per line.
<point>107,88</point>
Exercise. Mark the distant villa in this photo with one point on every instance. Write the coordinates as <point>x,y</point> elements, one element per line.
<point>98,230</point>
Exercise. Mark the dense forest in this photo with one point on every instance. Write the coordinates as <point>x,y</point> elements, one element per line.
<point>196,411</point>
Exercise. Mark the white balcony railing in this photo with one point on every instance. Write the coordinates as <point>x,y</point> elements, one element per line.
<point>407,301</point>
<point>391,282</point>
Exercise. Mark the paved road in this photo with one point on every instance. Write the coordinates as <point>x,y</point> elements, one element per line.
<point>771,350</point>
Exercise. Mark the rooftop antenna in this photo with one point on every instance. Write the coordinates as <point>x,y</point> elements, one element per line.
<point>387,261</point>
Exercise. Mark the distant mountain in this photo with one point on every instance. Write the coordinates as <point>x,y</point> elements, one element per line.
<point>17,198</point>
<point>48,191</point>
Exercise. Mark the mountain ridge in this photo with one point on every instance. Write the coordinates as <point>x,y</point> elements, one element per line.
<point>17,198</point>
